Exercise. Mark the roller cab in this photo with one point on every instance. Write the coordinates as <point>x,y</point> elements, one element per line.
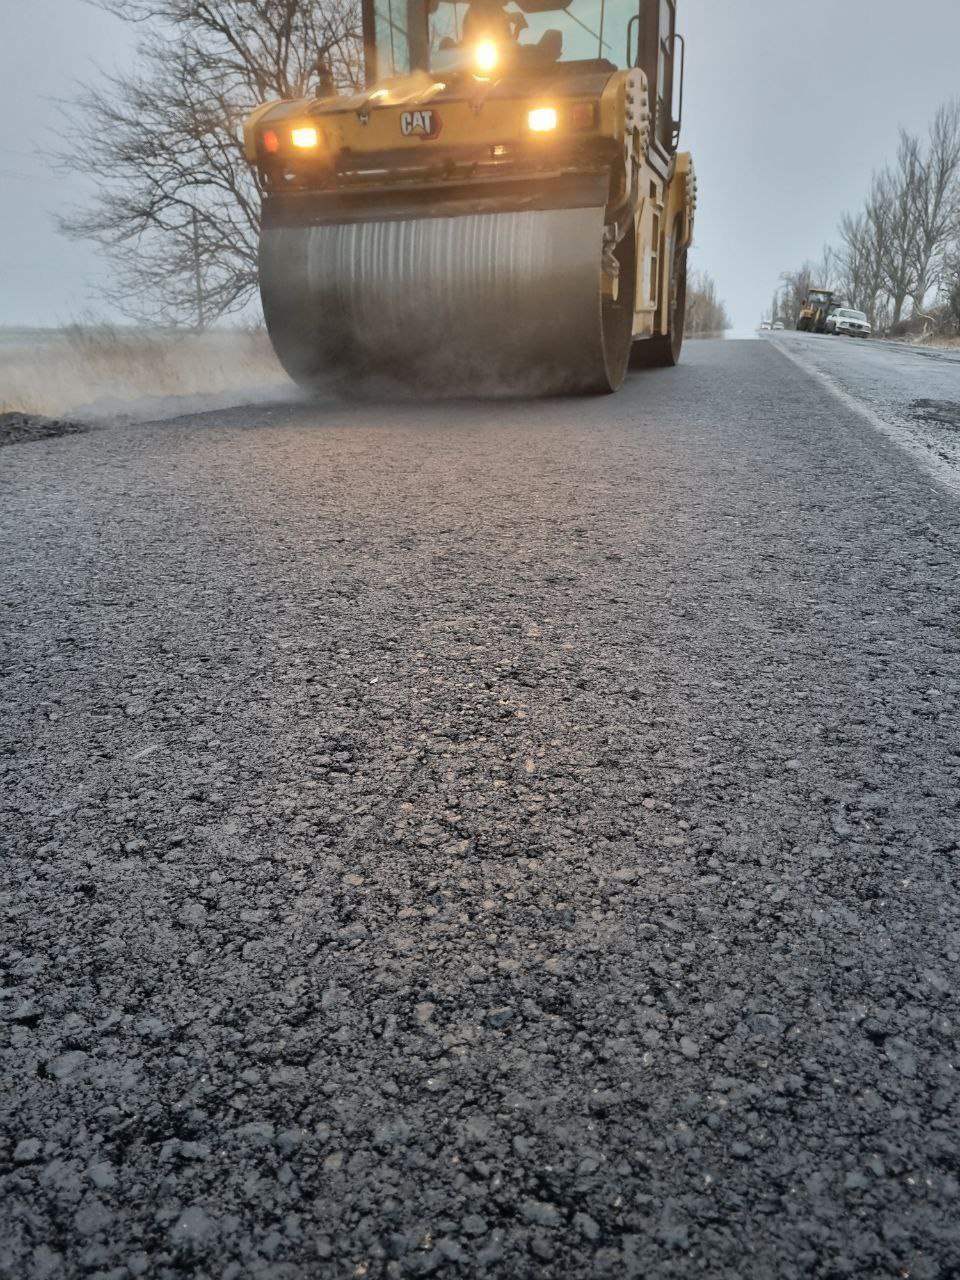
<point>502,209</point>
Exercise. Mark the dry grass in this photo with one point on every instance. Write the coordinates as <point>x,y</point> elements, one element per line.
<point>100,367</point>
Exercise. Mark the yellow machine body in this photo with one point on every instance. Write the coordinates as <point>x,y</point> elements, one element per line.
<point>520,230</point>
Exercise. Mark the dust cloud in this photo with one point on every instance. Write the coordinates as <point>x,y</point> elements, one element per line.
<point>103,372</point>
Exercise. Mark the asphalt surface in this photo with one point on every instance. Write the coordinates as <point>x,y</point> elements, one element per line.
<point>469,840</point>
<point>913,389</point>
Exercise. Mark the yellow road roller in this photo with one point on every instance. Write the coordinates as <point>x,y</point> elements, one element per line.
<point>503,209</point>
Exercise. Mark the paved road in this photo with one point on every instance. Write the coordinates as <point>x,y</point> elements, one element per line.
<point>914,390</point>
<point>511,842</point>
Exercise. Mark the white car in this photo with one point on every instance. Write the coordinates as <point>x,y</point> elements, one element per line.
<point>778,324</point>
<point>853,323</point>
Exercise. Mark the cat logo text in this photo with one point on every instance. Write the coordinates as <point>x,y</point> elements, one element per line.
<point>423,124</point>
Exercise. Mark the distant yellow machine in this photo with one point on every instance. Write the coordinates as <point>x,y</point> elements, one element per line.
<point>503,206</point>
<point>814,312</point>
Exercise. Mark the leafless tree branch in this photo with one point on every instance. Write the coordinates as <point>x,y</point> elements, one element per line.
<point>706,314</point>
<point>903,247</point>
<point>176,209</point>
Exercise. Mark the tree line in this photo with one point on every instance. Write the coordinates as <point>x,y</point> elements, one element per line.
<point>898,257</point>
<point>706,315</point>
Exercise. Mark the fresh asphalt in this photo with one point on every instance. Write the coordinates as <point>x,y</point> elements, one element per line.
<point>512,840</point>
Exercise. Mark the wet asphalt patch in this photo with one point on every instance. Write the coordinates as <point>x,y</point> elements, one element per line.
<point>938,413</point>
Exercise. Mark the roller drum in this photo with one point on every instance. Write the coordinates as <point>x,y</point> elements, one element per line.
<point>499,302</point>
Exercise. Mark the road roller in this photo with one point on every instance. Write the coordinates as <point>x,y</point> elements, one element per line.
<point>502,209</point>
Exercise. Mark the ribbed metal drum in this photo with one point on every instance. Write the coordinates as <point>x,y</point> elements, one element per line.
<point>479,303</point>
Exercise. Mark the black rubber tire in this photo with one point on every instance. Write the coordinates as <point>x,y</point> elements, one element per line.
<point>617,321</point>
<point>663,350</point>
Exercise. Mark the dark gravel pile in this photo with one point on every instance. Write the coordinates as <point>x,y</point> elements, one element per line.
<point>469,843</point>
<point>19,428</point>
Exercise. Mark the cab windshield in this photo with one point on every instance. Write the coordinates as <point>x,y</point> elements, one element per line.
<point>584,30</point>
<point>443,35</point>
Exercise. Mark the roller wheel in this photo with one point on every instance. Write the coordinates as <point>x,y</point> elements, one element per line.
<point>489,303</point>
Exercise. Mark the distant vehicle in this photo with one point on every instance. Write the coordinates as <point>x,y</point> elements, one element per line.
<point>778,324</point>
<point>765,324</point>
<point>813,314</point>
<point>845,320</point>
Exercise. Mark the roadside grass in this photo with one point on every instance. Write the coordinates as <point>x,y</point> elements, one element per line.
<point>102,366</point>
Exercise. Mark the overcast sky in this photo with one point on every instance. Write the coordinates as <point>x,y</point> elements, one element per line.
<point>790,105</point>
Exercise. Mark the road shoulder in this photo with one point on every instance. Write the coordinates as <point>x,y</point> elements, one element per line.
<point>922,427</point>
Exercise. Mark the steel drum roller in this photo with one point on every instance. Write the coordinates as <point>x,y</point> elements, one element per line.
<point>472,302</point>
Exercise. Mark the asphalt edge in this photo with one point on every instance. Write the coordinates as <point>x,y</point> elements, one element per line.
<point>942,473</point>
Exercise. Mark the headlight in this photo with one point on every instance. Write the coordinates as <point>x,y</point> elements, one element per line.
<point>542,119</point>
<point>485,56</point>
<point>305,138</point>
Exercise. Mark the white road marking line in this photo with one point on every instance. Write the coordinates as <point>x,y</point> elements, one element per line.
<point>942,472</point>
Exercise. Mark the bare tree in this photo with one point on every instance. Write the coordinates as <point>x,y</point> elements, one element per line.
<point>936,197</point>
<point>796,286</point>
<point>861,276</point>
<point>891,207</point>
<point>949,293</point>
<point>176,210</point>
<point>827,269</point>
<point>706,314</point>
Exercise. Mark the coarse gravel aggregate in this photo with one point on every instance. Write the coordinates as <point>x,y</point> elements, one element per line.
<point>470,840</point>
